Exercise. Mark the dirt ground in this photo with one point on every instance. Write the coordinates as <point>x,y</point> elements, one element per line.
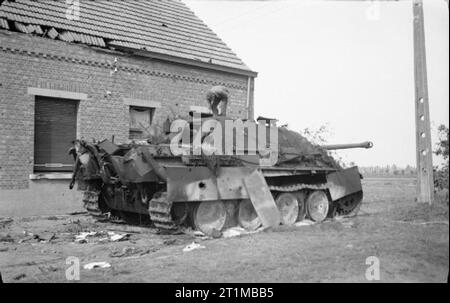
<point>411,242</point>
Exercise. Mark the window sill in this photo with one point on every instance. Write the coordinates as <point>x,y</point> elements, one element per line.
<point>51,176</point>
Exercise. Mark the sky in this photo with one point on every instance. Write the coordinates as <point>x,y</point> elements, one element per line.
<point>348,65</point>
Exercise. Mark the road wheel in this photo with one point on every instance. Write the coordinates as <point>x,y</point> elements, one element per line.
<point>287,204</point>
<point>301,198</point>
<point>317,205</point>
<point>247,216</point>
<point>210,216</point>
<point>179,212</point>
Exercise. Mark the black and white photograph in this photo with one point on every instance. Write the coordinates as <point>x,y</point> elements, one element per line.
<point>224,149</point>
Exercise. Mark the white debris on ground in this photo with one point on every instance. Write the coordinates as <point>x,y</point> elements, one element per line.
<point>93,265</point>
<point>238,231</point>
<point>305,222</point>
<point>100,236</point>
<point>131,252</point>
<point>82,237</point>
<point>195,233</point>
<point>228,233</point>
<point>193,246</point>
<point>117,237</point>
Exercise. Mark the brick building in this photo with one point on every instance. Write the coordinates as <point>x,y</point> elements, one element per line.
<point>97,69</point>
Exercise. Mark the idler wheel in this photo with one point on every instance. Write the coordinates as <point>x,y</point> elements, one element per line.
<point>287,204</point>
<point>317,206</point>
<point>209,217</point>
<point>301,198</point>
<point>247,216</point>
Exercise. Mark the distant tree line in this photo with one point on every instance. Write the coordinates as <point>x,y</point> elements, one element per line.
<point>393,170</point>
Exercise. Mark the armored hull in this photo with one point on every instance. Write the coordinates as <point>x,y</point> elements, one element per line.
<point>212,191</point>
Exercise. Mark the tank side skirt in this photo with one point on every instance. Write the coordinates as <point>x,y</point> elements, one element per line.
<point>344,183</point>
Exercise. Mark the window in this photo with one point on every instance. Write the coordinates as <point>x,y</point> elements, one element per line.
<point>140,121</point>
<point>55,123</point>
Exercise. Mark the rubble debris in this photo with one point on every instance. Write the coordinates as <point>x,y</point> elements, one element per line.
<point>47,269</point>
<point>216,233</point>
<point>238,231</point>
<point>198,233</point>
<point>195,233</point>
<point>47,238</point>
<point>233,232</point>
<point>93,265</point>
<point>117,237</point>
<point>5,221</point>
<point>43,238</point>
<point>193,246</point>
<point>228,233</point>
<point>82,237</point>
<point>100,236</point>
<point>6,238</point>
<point>19,277</point>
<point>131,229</point>
<point>75,213</point>
<point>169,232</point>
<point>131,252</point>
<point>53,218</point>
<point>423,223</point>
<point>169,241</point>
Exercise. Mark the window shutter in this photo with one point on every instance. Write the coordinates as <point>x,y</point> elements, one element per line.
<point>55,129</point>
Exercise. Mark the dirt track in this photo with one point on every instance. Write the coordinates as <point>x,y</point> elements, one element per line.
<point>411,241</point>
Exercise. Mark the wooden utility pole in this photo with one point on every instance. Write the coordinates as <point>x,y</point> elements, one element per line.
<point>424,152</point>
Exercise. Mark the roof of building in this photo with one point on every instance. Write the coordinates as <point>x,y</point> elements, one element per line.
<point>164,29</point>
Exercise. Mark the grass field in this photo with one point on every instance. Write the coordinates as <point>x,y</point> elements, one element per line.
<point>411,242</point>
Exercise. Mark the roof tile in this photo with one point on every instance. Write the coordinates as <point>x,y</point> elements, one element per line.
<point>168,27</point>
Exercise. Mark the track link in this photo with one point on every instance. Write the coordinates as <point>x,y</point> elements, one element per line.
<point>160,212</point>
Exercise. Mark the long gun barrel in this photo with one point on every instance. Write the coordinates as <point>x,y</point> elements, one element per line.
<point>366,144</point>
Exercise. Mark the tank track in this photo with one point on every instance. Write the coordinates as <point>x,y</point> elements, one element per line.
<point>160,207</point>
<point>350,205</point>
<point>91,202</point>
<point>297,187</point>
<point>159,210</point>
<point>346,206</point>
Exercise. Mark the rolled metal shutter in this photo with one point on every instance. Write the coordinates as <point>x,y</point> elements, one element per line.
<point>55,129</point>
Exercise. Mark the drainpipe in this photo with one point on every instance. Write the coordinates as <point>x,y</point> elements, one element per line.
<point>248,97</point>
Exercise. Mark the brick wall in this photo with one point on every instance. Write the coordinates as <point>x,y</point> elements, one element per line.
<point>29,61</point>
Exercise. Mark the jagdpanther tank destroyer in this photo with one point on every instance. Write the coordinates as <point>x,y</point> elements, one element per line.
<point>210,172</point>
